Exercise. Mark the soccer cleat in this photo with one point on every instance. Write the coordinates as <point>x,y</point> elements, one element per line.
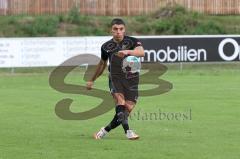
<point>131,135</point>
<point>100,134</point>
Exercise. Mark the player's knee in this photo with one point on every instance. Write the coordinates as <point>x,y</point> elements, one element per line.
<point>129,107</point>
<point>121,102</point>
<point>119,98</point>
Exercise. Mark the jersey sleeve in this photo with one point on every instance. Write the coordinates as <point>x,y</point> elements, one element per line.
<point>137,42</point>
<point>104,54</point>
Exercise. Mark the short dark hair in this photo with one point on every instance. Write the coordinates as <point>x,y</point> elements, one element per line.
<point>117,21</point>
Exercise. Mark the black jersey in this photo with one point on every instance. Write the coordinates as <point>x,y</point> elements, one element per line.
<point>109,50</point>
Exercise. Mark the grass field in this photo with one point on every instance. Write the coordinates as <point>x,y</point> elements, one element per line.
<point>207,95</point>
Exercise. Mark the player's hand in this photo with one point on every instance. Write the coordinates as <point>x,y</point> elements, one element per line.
<point>89,85</point>
<point>123,53</point>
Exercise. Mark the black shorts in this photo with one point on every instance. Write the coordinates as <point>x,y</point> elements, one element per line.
<point>128,87</point>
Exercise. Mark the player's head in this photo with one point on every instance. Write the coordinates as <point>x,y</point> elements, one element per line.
<point>118,29</point>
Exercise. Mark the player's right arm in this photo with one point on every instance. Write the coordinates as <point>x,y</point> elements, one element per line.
<point>99,70</point>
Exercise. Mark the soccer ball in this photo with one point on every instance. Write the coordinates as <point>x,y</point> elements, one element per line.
<point>131,64</point>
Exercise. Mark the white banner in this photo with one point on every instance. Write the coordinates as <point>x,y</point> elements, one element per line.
<point>41,52</point>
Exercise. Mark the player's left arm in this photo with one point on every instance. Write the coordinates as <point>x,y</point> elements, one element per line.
<point>137,51</point>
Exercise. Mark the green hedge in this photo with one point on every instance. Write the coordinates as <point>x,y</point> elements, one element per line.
<point>166,21</point>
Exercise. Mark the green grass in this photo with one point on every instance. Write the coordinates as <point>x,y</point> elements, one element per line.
<point>29,127</point>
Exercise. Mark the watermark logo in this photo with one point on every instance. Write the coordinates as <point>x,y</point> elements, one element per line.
<point>62,108</point>
<point>161,115</point>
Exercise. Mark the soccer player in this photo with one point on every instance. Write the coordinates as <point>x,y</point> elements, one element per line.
<point>123,87</point>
